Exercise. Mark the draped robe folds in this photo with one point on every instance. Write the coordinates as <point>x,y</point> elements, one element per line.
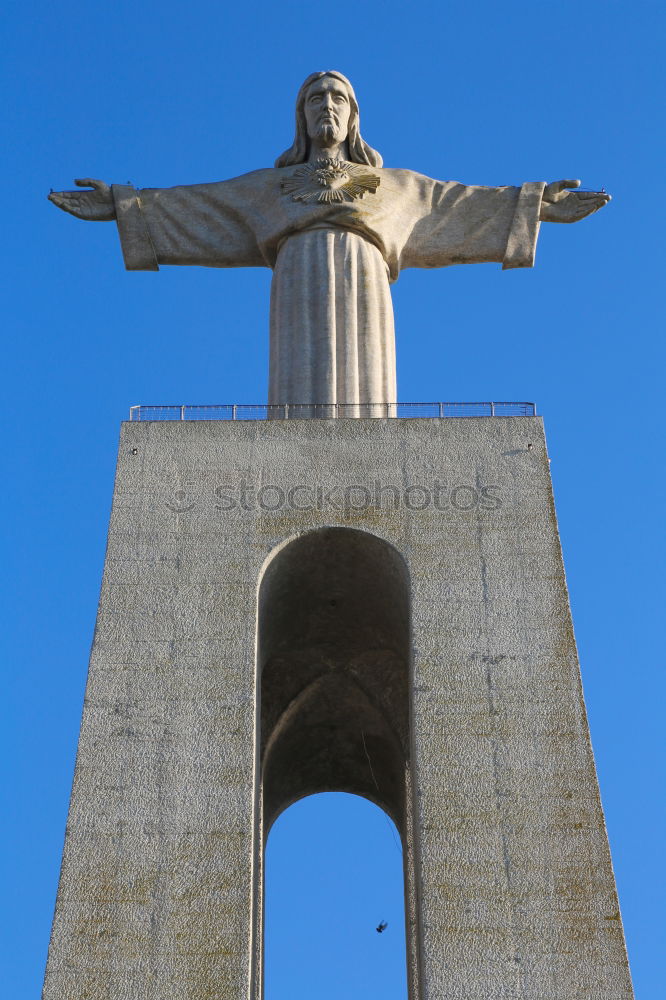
<point>331,319</point>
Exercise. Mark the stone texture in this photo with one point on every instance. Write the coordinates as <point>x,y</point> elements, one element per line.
<point>509,885</point>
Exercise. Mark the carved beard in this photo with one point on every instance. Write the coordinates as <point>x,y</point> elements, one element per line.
<point>326,131</point>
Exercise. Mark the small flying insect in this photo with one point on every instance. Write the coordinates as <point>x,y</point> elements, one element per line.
<point>381,926</point>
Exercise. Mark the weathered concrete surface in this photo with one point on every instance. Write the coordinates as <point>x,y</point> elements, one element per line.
<point>504,830</point>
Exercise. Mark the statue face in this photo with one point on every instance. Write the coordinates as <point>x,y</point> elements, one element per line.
<point>327,110</point>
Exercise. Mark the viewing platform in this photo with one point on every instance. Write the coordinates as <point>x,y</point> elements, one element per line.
<point>324,411</point>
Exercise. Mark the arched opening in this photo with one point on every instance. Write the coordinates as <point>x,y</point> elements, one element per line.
<point>334,681</point>
<point>333,875</point>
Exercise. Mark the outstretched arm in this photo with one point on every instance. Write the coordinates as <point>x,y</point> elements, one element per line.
<point>560,205</point>
<point>463,224</point>
<point>205,224</point>
<point>92,206</point>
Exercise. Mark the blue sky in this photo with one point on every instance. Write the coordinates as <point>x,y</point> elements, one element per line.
<point>163,93</point>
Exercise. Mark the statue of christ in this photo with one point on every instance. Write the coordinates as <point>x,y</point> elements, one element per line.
<point>336,227</point>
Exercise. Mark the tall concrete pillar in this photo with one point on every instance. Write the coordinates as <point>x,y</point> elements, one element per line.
<point>375,606</point>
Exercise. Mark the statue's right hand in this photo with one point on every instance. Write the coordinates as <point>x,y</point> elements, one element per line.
<point>93,206</point>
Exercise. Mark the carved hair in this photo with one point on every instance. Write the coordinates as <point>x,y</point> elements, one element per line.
<point>359,151</point>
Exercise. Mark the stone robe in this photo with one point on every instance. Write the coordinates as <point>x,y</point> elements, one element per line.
<point>331,327</point>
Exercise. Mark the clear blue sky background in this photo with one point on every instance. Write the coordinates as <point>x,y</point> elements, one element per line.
<point>166,93</point>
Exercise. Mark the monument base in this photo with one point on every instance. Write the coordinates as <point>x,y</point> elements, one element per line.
<point>509,886</point>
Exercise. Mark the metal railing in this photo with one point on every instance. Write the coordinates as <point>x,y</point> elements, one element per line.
<point>294,411</point>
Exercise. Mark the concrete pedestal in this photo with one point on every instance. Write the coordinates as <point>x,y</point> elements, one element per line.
<point>476,719</point>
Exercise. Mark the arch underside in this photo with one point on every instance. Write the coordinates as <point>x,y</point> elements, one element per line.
<point>334,663</point>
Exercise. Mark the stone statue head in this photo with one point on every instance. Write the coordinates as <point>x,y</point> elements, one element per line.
<point>359,151</point>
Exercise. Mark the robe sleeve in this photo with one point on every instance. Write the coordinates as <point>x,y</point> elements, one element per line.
<point>205,224</point>
<point>467,225</point>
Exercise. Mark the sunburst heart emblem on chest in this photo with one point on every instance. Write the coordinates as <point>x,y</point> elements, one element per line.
<point>330,181</point>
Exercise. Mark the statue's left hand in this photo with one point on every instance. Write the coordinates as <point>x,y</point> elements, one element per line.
<point>560,205</point>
